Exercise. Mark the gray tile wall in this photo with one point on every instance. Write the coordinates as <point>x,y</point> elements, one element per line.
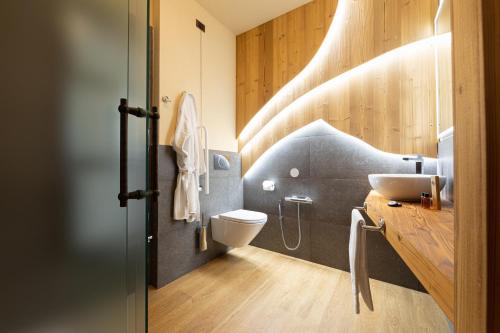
<point>334,170</point>
<point>175,247</point>
<point>445,166</point>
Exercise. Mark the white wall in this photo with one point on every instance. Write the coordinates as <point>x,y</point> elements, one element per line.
<point>179,70</point>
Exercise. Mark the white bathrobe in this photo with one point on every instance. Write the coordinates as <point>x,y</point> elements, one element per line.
<point>190,160</point>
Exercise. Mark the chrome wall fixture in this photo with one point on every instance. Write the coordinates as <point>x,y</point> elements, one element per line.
<point>381,223</point>
<point>221,162</point>
<point>268,185</point>
<point>299,199</point>
<point>207,153</point>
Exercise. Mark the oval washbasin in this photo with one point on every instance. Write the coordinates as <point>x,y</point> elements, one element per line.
<point>404,187</point>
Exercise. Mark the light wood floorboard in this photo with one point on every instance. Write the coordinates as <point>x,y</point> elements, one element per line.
<point>255,290</point>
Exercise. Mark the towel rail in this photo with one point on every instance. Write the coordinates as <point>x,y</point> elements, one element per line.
<point>380,228</point>
<point>381,223</point>
<point>207,165</point>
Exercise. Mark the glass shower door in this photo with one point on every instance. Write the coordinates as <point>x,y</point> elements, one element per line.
<point>73,260</point>
<point>137,159</point>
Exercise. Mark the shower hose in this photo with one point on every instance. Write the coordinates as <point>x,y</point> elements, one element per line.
<point>281,226</point>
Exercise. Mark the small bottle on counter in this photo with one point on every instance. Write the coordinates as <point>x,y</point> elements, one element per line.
<point>436,195</point>
<point>425,200</point>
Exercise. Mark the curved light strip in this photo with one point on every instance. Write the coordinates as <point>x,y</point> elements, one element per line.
<point>320,122</point>
<point>428,42</point>
<point>337,23</point>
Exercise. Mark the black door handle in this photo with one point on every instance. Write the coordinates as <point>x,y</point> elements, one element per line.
<point>125,110</point>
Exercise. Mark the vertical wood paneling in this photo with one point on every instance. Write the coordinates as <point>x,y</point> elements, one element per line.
<point>241,78</point>
<point>471,224</point>
<point>445,100</point>
<point>444,69</point>
<point>401,122</point>
<point>390,104</point>
<point>275,52</point>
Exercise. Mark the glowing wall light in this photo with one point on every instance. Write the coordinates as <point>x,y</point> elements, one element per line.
<point>344,78</point>
<point>322,127</point>
<point>333,32</point>
<point>436,66</point>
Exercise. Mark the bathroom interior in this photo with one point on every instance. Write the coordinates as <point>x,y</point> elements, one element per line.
<point>309,109</point>
<point>250,166</point>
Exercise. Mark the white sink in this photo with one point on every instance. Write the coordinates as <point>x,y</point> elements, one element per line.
<point>404,187</point>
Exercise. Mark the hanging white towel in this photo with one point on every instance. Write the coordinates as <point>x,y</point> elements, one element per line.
<point>190,160</point>
<point>358,262</point>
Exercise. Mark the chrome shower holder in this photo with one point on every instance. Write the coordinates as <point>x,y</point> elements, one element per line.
<point>298,200</point>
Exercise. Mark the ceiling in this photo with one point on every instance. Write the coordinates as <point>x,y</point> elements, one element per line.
<point>243,15</point>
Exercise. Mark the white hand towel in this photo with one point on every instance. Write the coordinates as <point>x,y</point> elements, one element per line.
<point>358,262</point>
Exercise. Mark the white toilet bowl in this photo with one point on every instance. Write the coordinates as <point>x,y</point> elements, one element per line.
<point>238,227</point>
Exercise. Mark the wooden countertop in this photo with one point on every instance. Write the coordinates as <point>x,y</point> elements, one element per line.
<point>424,239</point>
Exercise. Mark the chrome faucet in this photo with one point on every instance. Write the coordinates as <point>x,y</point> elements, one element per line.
<point>419,163</point>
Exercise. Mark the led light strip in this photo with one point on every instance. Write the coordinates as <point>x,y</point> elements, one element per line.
<point>436,67</point>
<point>324,49</point>
<point>259,163</point>
<point>428,42</point>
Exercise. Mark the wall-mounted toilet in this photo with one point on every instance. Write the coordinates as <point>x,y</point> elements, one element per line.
<point>238,227</point>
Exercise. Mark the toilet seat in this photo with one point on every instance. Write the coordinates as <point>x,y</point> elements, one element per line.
<point>244,216</point>
<point>238,227</point>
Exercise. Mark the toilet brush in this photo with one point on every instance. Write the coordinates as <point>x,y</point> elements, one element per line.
<point>203,236</point>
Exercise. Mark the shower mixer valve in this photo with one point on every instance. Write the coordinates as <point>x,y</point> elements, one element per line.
<point>299,199</point>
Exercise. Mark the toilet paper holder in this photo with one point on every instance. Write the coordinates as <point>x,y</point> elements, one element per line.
<point>268,185</point>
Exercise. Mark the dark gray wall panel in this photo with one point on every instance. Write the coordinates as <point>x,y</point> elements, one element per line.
<point>270,236</point>
<point>175,249</point>
<point>330,246</point>
<point>334,169</point>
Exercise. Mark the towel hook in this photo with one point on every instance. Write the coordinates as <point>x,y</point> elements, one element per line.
<point>166,99</point>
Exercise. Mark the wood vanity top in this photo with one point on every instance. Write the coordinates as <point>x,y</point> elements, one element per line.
<point>424,240</point>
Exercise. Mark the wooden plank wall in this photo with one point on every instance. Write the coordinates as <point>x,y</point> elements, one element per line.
<point>271,54</point>
<point>471,222</point>
<point>476,77</point>
<point>444,69</point>
<point>445,84</point>
<point>403,120</point>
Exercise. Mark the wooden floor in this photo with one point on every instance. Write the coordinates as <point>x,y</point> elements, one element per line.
<point>255,290</point>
